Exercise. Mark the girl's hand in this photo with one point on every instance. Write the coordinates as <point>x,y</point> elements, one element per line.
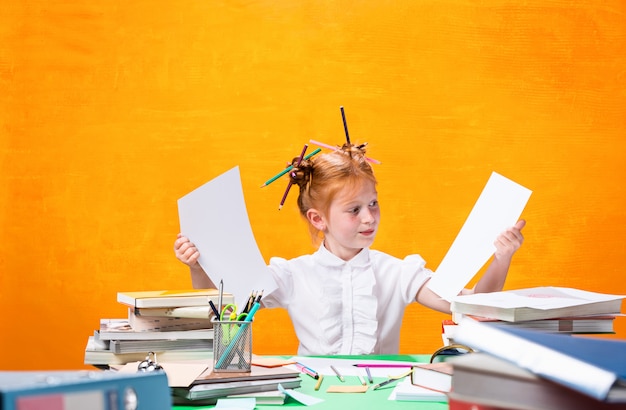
<point>185,251</point>
<point>509,241</point>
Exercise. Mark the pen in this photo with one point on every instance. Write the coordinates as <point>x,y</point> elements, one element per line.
<point>308,371</point>
<point>382,365</point>
<point>339,376</point>
<point>369,375</point>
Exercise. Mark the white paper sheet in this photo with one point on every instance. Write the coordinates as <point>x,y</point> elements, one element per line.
<point>347,367</point>
<point>215,219</point>
<point>499,207</point>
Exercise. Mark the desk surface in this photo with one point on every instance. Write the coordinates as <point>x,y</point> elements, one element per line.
<point>372,399</point>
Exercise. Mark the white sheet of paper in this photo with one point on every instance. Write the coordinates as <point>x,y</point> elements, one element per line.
<point>300,397</point>
<point>543,298</point>
<point>347,367</point>
<point>499,207</point>
<point>215,219</point>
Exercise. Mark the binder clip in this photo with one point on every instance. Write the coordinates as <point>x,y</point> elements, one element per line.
<point>149,365</point>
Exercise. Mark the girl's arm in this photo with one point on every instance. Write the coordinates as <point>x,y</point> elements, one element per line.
<point>493,280</point>
<point>187,253</point>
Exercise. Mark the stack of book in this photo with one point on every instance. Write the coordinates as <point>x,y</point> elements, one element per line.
<point>176,325</point>
<point>522,369</point>
<point>194,382</point>
<point>545,309</point>
<point>261,383</point>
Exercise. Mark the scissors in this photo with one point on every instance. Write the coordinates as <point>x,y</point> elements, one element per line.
<point>229,313</point>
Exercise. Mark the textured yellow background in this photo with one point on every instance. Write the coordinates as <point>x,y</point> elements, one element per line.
<point>111,111</point>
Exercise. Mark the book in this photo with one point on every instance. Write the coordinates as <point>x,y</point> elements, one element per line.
<point>434,376</point>
<point>488,381</point>
<point>271,397</point>
<point>99,355</point>
<point>211,384</point>
<point>600,324</point>
<point>461,402</point>
<point>536,303</point>
<point>172,298</point>
<point>208,391</point>
<point>167,323</point>
<point>595,367</point>
<point>406,391</point>
<point>132,346</point>
<point>181,312</point>
<point>120,329</point>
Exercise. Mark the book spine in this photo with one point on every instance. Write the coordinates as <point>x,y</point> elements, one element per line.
<point>141,323</point>
<point>194,312</point>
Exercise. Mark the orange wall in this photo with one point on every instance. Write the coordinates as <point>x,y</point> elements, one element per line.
<point>111,111</point>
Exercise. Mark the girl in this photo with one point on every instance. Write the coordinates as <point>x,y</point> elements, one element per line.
<point>345,298</point>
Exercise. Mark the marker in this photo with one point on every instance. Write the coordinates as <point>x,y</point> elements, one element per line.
<point>308,371</point>
<point>339,376</point>
<point>319,383</point>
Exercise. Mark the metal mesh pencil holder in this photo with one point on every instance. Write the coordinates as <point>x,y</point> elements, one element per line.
<point>232,346</point>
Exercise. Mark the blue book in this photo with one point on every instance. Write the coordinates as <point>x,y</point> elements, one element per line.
<point>595,367</point>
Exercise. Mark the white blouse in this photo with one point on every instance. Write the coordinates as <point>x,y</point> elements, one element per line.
<point>347,308</point>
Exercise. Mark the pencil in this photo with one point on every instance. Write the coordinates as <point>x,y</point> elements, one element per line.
<point>386,382</point>
<point>339,376</point>
<point>369,375</point>
<point>345,124</point>
<point>383,365</point>
<point>282,201</point>
<point>321,144</point>
<point>361,379</point>
<point>289,168</point>
<point>392,379</point>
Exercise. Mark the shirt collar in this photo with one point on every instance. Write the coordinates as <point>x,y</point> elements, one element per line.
<point>326,258</point>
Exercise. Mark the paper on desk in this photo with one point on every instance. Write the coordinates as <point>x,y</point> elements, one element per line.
<point>300,397</point>
<point>215,219</point>
<point>499,207</point>
<point>347,367</point>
